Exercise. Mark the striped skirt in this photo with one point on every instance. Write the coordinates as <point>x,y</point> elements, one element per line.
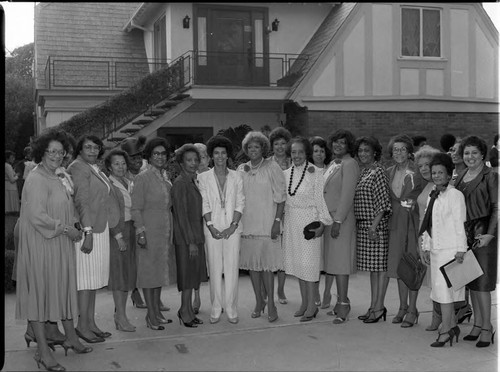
<point>92,270</point>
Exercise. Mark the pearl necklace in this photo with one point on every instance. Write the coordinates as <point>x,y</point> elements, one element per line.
<point>255,169</point>
<point>291,179</point>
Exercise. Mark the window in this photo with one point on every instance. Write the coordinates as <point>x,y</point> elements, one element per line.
<point>420,32</point>
<point>160,43</point>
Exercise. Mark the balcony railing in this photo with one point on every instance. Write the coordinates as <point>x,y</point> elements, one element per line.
<point>197,67</point>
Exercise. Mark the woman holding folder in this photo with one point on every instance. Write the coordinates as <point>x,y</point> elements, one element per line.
<point>443,240</point>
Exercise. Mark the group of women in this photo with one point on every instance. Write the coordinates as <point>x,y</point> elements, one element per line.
<point>299,207</point>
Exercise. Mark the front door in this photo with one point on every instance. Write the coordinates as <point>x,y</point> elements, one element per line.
<point>231,46</point>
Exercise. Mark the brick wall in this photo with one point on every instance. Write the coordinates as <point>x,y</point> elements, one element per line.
<point>384,125</point>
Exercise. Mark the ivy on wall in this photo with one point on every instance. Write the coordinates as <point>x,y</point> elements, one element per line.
<point>124,106</point>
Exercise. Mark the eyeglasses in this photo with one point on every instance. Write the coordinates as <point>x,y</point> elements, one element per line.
<point>92,148</point>
<point>402,150</point>
<point>157,154</point>
<point>52,153</point>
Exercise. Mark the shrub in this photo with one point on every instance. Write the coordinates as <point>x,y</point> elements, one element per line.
<point>9,241</point>
<point>9,285</point>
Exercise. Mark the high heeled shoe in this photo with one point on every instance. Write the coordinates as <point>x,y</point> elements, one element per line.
<point>29,339</point>
<point>365,316</point>
<point>123,328</point>
<point>56,368</point>
<point>438,343</point>
<point>306,318</point>
<point>464,313</point>
<point>139,305</point>
<point>102,334</point>
<point>272,316</point>
<point>299,313</point>
<point>407,323</point>
<point>190,324</point>
<point>152,326</point>
<point>456,332</point>
<point>162,320</point>
<point>137,301</point>
<point>343,309</point>
<point>375,319</point>
<point>89,340</point>
<point>487,343</point>
<point>471,337</point>
<point>256,314</point>
<point>400,315</point>
<point>197,320</point>
<point>84,350</point>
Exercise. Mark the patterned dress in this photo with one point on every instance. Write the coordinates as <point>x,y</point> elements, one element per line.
<point>371,198</point>
<point>302,257</point>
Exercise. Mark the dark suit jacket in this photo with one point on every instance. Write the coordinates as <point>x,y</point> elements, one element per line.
<point>93,199</point>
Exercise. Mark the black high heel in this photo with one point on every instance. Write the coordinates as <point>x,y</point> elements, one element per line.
<point>406,323</point>
<point>487,343</point>
<point>89,340</point>
<point>56,368</point>
<point>153,327</point>
<point>190,324</point>
<point>256,314</point>
<point>367,315</point>
<point>306,318</point>
<point>470,337</point>
<point>29,339</point>
<point>456,332</point>
<point>299,313</point>
<point>376,319</point>
<point>139,305</point>
<point>438,343</point>
<point>464,313</point>
<point>197,320</point>
<point>85,350</point>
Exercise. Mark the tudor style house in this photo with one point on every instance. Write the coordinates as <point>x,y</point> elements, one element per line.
<point>374,68</point>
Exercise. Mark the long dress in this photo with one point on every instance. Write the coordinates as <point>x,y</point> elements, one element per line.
<point>301,256</point>
<point>403,224</point>
<point>371,198</point>
<point>151,212</point>
<point>340,185</point>
<point>188,229</point>
<point>11,192</point>
<point>264,189</point>
<point>46,265</point>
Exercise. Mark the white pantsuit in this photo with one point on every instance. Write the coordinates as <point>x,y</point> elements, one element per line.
<point>222,254</point>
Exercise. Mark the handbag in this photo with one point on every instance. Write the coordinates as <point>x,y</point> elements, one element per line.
<point>411,271</point>
<point>308,234</point>
<point>457,275</point>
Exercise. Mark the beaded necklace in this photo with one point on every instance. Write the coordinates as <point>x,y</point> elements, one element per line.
<point>291,179</point>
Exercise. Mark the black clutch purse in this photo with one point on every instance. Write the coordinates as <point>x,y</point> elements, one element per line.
<point>308,234</point>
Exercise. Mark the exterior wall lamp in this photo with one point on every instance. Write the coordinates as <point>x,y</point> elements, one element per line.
<point>274,25</point>
<point>185,22</point>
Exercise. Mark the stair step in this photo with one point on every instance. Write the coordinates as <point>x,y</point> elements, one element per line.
<point>142,121</point>
<point>116,139</point>
<point>154,112</point>
<point>168,104</point>
<point>129,130</point>
<point>180,97</point>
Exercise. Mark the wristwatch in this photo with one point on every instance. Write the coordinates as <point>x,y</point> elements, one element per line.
<point>277,219</point>
<point>234,223</point>
<point>209,223</point>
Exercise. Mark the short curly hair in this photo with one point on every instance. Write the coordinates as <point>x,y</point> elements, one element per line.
<point>426,151</point>
<point>372,142</point>
<point>443,159</point>
<point>115,152</point>
<point>279,133</point>
<point>304,141</point>
<point>219,141</point>
<point>8,154</point>
<point>89,137</point>
<point>41,143</point>
<point>188,147</point>
<point>155,142</point>
<point>259,138</point>
<point>343,133</point>
<point>403,138</point>
<point>474,141</point>
<point>321,142</point>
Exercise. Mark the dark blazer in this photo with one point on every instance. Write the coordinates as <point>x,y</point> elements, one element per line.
<point>481,197</point>
<point>117,197</point>
<point>187,212</point>
<point>92,197</point>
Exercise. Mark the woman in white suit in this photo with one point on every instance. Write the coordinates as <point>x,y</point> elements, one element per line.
<point>223,202</point>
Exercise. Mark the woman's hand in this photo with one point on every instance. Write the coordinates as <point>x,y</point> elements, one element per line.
<point>319,231</point>
<point>122,244</point>
<point>141,240</point>
<point>427,257</point>
<point>193,250</point>
<point>335,230</point>
<point>373,235</point>
<point>459,256</point>
<point>483,240</point>
<point>229,231</point>
<point>73,233</point>
<point>216,234</point>
<point>275,230</point>
<point>87,245</point>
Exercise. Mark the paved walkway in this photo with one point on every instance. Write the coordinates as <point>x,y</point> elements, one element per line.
<point>256,345</point>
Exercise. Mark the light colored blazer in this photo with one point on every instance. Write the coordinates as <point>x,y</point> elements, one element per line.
<point>340,187</point>
<point>92,197</point>
<point>235,198</point>
<point>448,217</point>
